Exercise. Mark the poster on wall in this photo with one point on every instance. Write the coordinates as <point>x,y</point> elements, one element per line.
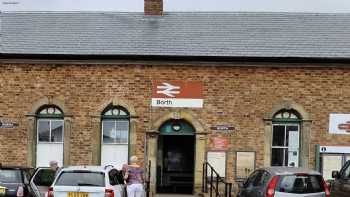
<point>218,161</point>
<point>339,123</point>
<point>245,164</point>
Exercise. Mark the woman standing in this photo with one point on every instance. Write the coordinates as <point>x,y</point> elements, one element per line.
<point>134,178</point>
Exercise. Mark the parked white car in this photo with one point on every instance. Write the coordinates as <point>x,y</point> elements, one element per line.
<point>87,181</point>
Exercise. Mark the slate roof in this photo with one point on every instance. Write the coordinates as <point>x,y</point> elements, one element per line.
<point>210,34</point>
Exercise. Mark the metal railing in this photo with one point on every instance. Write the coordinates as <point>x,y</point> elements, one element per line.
<point>148,180</point>
<point>211,182</point>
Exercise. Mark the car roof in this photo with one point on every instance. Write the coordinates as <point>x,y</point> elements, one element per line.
<point>289,171</point>
<point>88,168</point>
<point>15,167</point>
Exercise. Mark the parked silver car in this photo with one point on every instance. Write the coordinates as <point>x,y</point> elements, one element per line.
<point>284,182</point>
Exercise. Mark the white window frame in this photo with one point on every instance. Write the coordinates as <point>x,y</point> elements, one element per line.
<point>50,120</point>
<point>285,140</point>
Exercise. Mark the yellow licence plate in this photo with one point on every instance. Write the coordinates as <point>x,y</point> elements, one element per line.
<point>78,194</point>
<point>2,191</point>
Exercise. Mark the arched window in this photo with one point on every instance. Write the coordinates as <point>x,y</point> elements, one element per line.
<point>115,136</point>
<point>50,130</point>
<point>285,138</point>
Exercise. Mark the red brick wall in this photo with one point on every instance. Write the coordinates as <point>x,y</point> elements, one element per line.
<point>239,96</point>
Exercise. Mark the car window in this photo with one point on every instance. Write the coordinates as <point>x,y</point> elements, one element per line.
<point>10,176</point>
<point>248,182</point>
<point>44,177</point>
<point>265,179</point>
<point>300,184</point>
<point>251,179</point>
<point>258,180</point>
<point>27,174</point>
<point>345,174</point>
<point>81,178</point>
<point>115,177</point>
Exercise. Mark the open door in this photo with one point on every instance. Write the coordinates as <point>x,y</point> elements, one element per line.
<point>41,181</point>
<point>176,157</point>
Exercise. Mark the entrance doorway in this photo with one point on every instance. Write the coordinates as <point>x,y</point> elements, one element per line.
<point>175,159</point>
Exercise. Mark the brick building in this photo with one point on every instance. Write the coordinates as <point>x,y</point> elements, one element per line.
<point>77,87</point>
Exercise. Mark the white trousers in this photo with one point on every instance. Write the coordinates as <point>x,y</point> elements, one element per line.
<point>135,190</point>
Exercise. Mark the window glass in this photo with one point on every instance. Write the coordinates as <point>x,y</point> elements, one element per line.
<point>122,113</point>
<point>122,126</point>
<point>10,176</point>
<point>109,132</point>
<point>56,131</point>
<point>278,135</point>
<point>116,177</point>
<point>300,184</point>
<point>251,179</point>
<point>116,131</point>
<point>44,177</point>
<point>266,178</point>
<point>81,178</point>
<point>258,179</point>
<point>44,130</point>
<point>285,144</point>
<point>50,130</point>
<point>279,157</point>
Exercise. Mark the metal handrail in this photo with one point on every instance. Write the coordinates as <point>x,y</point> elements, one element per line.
<point>214,187</point>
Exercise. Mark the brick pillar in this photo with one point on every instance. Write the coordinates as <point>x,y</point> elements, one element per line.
<point>153,7</point>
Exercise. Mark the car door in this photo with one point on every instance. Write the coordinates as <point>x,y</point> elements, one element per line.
<point>258,189</point>
<point>341,185</point>
<point>41,181</point>
<point>246,190</point>
<point>116,181</point>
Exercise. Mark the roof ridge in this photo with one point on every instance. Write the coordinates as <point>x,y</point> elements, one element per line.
<point>176,12</point>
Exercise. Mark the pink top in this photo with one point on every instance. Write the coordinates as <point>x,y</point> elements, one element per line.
<point>135,175</point>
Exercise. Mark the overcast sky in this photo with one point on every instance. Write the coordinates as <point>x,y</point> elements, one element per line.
<point>179,5</point>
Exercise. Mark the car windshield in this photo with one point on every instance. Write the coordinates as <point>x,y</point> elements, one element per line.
<point>10,176</point>
<point>81,178</point>
<point>300,184</point>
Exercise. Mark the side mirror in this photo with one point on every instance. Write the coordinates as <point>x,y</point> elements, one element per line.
<point>335,174</point>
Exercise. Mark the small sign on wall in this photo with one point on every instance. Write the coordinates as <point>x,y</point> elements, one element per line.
<point>6,124</point>
<point>222,128</point>
<point>220,143</point>
<point>335,149</point>
<point>339,123</point>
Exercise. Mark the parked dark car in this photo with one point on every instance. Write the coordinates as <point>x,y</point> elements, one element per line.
<point>14,181</point>
<point>284,182</point>
<point>341,184</point>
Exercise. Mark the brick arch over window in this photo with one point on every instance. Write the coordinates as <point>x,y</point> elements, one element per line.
<point>183,114</point>
<point>96,126</point>
<point>288,105</point>
<point>200,140</point>
<point>305,130</point>
<point>117,102</point>
<point>49,101</point>
<point>32,130</point>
